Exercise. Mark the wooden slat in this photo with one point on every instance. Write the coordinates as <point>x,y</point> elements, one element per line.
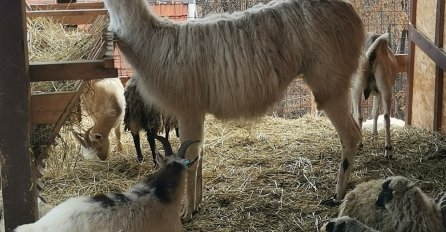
<point>432,51</point>
<point>402,60</point>
<point>72,17</point>
<point>68,6</point>
<point>438,97</point>
<point>18,180</point>
<point>410,68</point>
<point>70,70</point>
<point>69,107</point>
<point>47,108</point>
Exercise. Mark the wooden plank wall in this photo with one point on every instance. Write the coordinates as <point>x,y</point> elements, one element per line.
<point>427,62</point>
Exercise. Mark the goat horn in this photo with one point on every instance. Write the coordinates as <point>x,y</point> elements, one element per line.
<point>184,146</point>
<point>166,144</point>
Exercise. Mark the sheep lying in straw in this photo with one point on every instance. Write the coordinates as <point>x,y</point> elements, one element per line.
<point>140,115</point>
<point>105,104</point>
<point>376,76</point>
<point>440,201</point>
<point>345,224</point>
<point>237,65</point>
<point>392,205</point>
<point>153,205</point>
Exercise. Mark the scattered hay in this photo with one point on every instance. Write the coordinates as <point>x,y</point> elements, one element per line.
<point>268,175</point>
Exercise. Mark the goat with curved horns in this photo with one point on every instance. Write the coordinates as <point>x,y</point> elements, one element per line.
<point>237,65</point>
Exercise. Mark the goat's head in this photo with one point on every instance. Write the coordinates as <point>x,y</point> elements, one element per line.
<point>93,144</point>
<point>395,188</point>
<point>171,157</point>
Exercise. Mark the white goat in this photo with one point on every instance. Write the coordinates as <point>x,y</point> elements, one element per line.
<point>105,104</point>
<point>392,205</point>
<point>376,76</point>
<point>153,205</point>
<point>237,65</point>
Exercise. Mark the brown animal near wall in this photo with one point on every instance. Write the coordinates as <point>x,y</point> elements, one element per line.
<point>376,76</point>
<point>236,66</point>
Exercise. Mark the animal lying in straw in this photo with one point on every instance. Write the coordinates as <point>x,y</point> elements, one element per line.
<point>345,224</point>
<point>392,205</point>
<point>140,115</point>
<point>376,76</point>
<point>237,65</point>
<point>153,205</point>
<point>105,105</point>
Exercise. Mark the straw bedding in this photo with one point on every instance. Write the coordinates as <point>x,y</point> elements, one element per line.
<point>267,175</point>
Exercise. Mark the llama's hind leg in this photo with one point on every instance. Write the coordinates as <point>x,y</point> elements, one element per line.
<point>192,128</point>
<point>386,101</point>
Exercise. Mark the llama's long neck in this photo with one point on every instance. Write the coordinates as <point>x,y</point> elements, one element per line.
<point>127,17</point>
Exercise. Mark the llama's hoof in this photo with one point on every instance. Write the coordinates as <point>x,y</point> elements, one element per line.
<point>186,216</point>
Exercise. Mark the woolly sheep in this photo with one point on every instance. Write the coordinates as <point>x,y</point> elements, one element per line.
<point>440,201</point>
<point>392,205</point>
<point>376,76</point>
<point>235,66</point>
<point>143,116</point>
<point>105,104</point>
<point>345,224</point>
<point>153,205</point>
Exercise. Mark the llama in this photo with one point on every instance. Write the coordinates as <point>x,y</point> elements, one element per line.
<point>140,115</point>
<point>153,205</point>
<point>235,66</point>
<point>376,76</point>
<point>105,104</point>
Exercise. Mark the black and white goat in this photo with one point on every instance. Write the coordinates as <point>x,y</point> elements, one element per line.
<point>375,77</point>
<point>236,66</point>
<point>141,115</point>
<point>153,205</point>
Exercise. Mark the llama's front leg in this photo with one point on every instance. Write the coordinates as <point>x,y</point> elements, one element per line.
<point>192,129</point>
<point>356,106</point>
<point>338,112</point>
<point>387,98</point>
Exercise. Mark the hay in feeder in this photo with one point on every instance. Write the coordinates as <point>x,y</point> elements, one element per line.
<point>268,175</point>
<point>50,41</point>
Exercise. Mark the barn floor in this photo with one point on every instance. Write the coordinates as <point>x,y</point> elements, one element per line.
<point>267,175</point>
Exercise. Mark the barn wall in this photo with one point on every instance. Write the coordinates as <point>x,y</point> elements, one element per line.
<point>424,72</point>
<point>423,94</point>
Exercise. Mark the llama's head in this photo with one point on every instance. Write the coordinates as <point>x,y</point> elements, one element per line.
<point>170,157</point>
<point>93,144</point>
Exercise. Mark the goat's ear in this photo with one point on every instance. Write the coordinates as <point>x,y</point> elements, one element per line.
<point>80,138</point>
<point>96,137</point>
<point>160,159</point>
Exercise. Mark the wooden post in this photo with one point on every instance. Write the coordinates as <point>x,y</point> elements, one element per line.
<point>19,191</point>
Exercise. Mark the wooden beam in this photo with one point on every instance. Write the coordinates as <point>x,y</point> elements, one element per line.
<point>438,97</point>
<point>70,70</point>
<point>410,68</point>
<point>432,51</point>
<point>68,6</point>
<point>47,108</point>
<point>18,181</point>
<point>72,17</point>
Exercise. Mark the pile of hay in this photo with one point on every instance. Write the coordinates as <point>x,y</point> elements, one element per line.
<point>268,175</point>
